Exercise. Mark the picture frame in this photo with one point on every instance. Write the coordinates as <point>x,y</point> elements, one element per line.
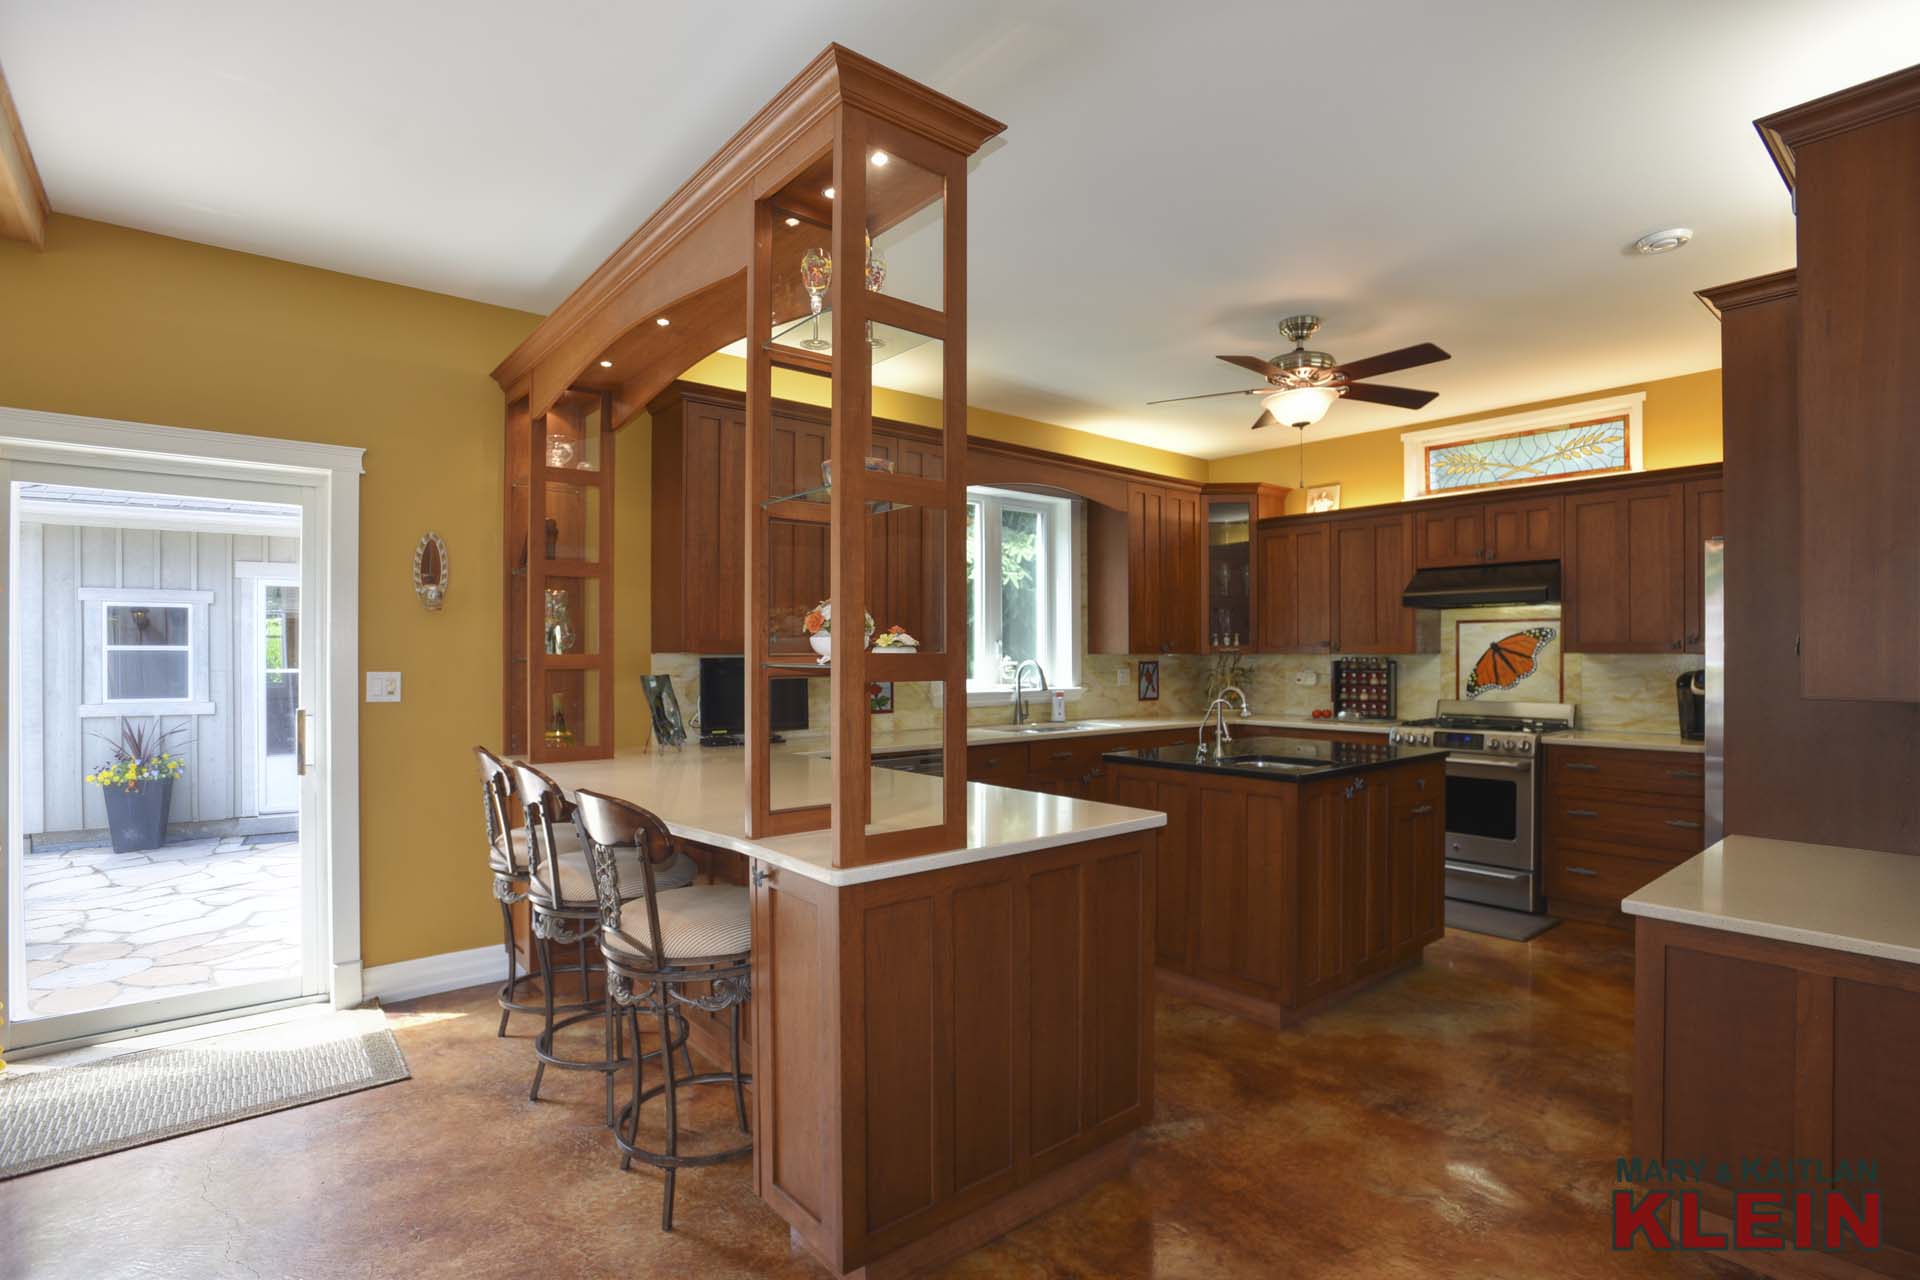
<point>669,729</point>
<point>1323,497</point>
<point>880,697</point>
<point>1150,680</point>
<point>1529,668</point>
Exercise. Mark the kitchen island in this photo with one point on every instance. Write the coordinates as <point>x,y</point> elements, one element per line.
<point>945,1045</point>
<point>1291,871</point>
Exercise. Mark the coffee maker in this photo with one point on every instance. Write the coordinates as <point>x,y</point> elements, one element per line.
<point>1691,691</point>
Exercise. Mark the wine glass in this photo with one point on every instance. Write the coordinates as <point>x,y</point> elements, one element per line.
<point>816,273</point>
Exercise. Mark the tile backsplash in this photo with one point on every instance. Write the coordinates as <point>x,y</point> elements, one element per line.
<point>1612,691</point>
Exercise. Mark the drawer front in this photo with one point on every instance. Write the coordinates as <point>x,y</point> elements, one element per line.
<point>1068,758</point>
<point>1659,773</point>
<point>1594,876</point>
<point>1641,826</point>
<point>1002,766</point>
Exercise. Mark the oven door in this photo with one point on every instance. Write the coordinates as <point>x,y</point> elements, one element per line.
<point>1490,812</point>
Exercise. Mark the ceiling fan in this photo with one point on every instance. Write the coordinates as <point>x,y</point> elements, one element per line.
<point>1302,385</point>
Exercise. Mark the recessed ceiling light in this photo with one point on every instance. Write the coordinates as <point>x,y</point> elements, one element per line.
<point>793,222</point>
<point>880,159</point>
<point>1663,241</point>
<point>606,364</point>
<point>828,193</point>
<point>662,321</point>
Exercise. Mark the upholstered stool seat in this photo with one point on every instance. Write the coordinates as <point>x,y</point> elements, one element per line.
<point>576,878</point>
<point>696,923</point>
<point>510,857</point>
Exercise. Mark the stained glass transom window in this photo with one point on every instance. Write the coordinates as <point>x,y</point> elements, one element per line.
<point>1561,452</point>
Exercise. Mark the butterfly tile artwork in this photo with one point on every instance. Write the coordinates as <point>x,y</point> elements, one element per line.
<point>1510,659</point>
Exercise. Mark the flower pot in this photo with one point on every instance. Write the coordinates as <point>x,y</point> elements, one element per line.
<point>822,642</point>
<point>137,816</point>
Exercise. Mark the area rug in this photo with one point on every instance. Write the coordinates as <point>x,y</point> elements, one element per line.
<point>1498,922</point>
<point>56,1116</point>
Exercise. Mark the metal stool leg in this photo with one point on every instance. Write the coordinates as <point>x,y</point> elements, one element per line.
<point>639,1071</point>
<point>507,992</point>
<point>545,1039</point>
<point>673,1109</point>
<point>739,1091</point>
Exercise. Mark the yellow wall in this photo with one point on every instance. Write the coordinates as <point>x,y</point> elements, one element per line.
<point>115,323</point>
<point>1680,426</point>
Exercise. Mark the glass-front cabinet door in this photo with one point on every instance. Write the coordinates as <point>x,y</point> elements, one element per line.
<point>1229,586</point>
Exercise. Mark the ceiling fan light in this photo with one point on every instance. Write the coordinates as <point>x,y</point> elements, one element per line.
<point>1301,406</point>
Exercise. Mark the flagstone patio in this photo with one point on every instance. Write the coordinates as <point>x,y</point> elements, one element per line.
<point>106,928</point>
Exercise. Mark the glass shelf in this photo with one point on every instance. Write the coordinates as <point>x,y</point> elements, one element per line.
<point>808,668</point>
<point>891,342</point>
<point>820,494</point>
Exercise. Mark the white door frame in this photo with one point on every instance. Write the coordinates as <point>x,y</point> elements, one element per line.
<point>332,530</point>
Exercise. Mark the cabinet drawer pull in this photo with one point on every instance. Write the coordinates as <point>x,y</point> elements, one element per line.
<point>1063,755</point>
<point>1581,813</point>
<point>1685,824</point>
<point>1582,871</point>
<point>1683,773</point>
<point>1420,810</point>
<point>1583,766</point>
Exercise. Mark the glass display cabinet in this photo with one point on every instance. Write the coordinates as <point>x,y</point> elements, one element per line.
<point>858,263</point>
<point>559,545</point>
<point>1231,513</point>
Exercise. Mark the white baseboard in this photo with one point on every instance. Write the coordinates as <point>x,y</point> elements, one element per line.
<point>430,975</point>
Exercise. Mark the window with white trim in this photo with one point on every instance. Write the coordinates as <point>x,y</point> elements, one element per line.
<point>148,651</point>
<point>1020,588</point>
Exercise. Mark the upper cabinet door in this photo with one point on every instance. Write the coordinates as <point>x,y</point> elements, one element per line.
<point>1520,529</point>
<point>1295,589</point>
<point>1450,536</point>
<point>1623,572</point>
<point>1183,550</point>
<point>1857,196</point>
<point>1146,614</point>
<point>1372,560</point>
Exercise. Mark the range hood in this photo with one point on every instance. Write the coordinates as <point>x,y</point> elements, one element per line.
<point>1532,582</point>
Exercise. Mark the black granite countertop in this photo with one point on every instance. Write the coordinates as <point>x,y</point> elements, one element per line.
<point>1282,759</point>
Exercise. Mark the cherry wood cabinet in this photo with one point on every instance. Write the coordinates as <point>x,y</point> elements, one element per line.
<point>1372,560</point>
<point>1144,573</point>
<point>1852,160</point>
<point>1295,572</point>
<point>1624,571</point>
<point>1270,897</point>
<point>1705,518</point>
<point>1752,1054</point>
<point>1611,821</point>
<point>1231,588</point>
<point>1495,532</point>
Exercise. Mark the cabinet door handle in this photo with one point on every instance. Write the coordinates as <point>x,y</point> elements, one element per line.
<point>1421,810</point>
<point>1582,766</point>
<point>1582,871</point>
<point>1683,773</point>
<point>1685,824</point>
<point>1063,755</point>
<point>1581,813</point>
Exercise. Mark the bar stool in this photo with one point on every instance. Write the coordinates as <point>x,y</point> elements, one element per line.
<point>507,862</point>
<point>655,944</point>
<point>561,898</point>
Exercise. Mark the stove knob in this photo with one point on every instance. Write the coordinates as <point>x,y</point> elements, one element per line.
<point>1525,745</point>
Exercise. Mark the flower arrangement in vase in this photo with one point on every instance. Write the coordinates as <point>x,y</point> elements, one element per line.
<point>819,628</point>
<point>137,784</point>
<point>896,640</point>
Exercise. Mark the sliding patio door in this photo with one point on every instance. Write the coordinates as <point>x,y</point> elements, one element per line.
<point>161,859</point>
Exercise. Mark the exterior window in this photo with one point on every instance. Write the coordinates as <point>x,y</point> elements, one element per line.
<point>149,653</point>
<point>1019,587</point>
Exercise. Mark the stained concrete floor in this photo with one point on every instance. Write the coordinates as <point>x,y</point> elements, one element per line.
<point>1458,1120</point>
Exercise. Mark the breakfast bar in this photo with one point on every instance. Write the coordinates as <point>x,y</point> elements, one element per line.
<point>943,1045</point>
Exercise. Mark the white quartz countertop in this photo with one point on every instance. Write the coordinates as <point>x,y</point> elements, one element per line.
<point>701,794</point>
<point>1623,739</point>
<point>1821,895</point>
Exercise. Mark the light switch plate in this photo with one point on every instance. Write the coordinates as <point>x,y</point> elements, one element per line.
<point>383,686</point>
<point>1120,678</point>
<point>1306,678</point>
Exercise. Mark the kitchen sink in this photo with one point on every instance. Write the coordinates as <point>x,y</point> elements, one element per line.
<point>1276,763</point>
<point>1063,726</point>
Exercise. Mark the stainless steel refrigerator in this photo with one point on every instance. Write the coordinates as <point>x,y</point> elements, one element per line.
<point>1714,584</point>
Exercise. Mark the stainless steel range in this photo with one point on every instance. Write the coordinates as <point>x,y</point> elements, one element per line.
<point>1493,790</point>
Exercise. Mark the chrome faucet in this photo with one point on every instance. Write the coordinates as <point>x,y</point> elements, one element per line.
<point>1217,709</point>
<point>1019,678</point>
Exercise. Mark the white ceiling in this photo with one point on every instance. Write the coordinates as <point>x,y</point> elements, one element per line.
<point>1174,178</point>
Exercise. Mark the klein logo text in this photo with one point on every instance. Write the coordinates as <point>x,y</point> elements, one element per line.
<point>1761,1220</point>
